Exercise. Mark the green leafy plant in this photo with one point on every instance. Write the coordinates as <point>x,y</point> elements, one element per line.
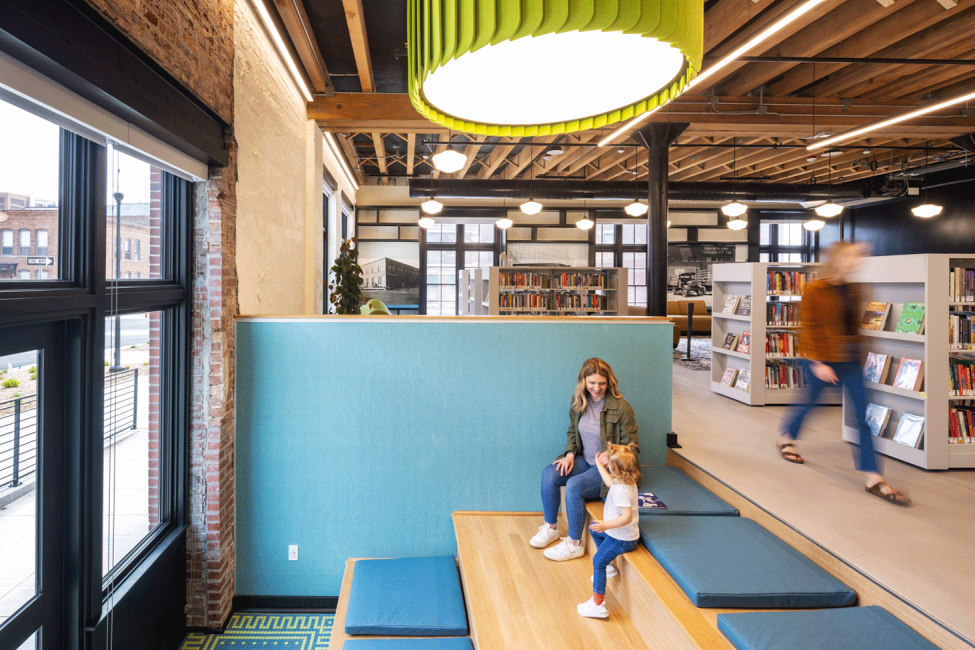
<point>345,289</point>
<point>32,370</point>
<point>10,383</point>
<point>16,395</point>
<point>106,364</point>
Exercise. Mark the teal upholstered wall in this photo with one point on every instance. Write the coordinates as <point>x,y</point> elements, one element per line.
<point>359,438</point>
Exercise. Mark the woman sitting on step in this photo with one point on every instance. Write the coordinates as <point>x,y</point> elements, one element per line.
<point>598,416</point>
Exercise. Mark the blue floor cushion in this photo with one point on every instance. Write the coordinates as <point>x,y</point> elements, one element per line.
<point>417,596</point>
<point>455,643</point>
<point>734,562</point>
<point>680,493</point>
<point>863,628</point>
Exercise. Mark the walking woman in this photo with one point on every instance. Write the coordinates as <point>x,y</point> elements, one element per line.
<point>830,340</point>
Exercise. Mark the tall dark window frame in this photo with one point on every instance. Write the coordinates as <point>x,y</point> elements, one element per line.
<point>776,252</point>
<point>460,247</point>
<point>81,299</point>
<point>618,249</point>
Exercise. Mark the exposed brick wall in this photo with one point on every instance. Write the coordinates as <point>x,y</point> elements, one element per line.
<point>210,541</point>
<point>192,39</point>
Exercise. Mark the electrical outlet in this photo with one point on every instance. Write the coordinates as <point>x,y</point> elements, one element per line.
<point>293,552</point>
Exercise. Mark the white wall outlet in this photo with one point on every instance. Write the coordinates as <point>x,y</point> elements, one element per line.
<point>293,552</point>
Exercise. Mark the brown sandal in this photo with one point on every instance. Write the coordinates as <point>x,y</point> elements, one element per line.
<point>894,496</point>
<point>791,456</point>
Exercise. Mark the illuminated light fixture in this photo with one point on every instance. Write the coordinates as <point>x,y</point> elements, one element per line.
<point>891,120</point>
<point>282,49</point>
<point>585,223</point>
<point>336,153</point>
<point>814,224</point>
<point>829,209</point>
<point>738,224</point>
<point>426,222</point>
<point>480,69</point>
<point>636,209</point>
<point>504,223</point>
<point>431,206</point>
<point>531,207</point>
<point>449,160</point>
<point>927,210</point>
<point>734,209</point>
<point>668,223</point>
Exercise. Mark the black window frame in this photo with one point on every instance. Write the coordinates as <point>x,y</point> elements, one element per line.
<point>459,220</point>
<point>774,250</point>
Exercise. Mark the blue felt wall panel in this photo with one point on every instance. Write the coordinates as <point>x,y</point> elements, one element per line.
<point>360,438</point>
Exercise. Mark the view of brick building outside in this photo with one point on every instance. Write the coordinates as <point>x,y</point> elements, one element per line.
<point>389,274</point>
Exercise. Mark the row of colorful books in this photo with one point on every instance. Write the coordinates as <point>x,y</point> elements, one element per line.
<point>909,375</point>
<point>740,379</point>
<point>961,374</point>
<point>582,280</point>
<point>738,342</point>
<point>785,373</point>
<point>782,344</point>
<point>523,301</point>
<point>787,283</point>
<point>911,320</point>
<point>909,427</point>
<point>524,280</point>
<point>961,330</point>
<point>579,301</point>
<point>782,313</point>
<point>741,305</point>
<point>961,285</point>
<point>961,422</point>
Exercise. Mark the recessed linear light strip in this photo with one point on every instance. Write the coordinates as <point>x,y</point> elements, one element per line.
<point>892,120</point>
<point>282,50</point>
<point>336,153</point>
<point>762,36</point>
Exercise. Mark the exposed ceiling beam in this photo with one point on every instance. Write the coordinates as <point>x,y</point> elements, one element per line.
<point>472,151</point>
<point>387,112</point>
<point>352,159</point>
<point>495,159</point>
<point>410,152</point>
<point>377,141</point>
<point>360,43</point>
<point>726,17</point>
<point>292,13</point>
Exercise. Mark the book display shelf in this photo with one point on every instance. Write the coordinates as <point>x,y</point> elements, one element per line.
<point>557,291</point>
<point>772,294</point>
<point>472,295</point>
<point>929,280</point>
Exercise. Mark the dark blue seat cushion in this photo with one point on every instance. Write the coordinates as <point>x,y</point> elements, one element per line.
<point>417,596</point>
<point>734,562</point>
<point>863,628</point>
<point>408,644</point>
<point>680,493</point>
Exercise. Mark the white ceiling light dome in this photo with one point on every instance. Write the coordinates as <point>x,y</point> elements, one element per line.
<point>431,206</point>
<point>734,209</point>
<point>531,207</point>
<point>927,210</point>
<point>449,161</point>
<point>738,224</point>
<point>829,209</point>
<point>814,224</point>
<point>426,222</point>
<point>636,209</point>
<point>504,223</point>
<point>585,223</point>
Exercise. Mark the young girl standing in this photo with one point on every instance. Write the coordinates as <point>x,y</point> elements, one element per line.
<point>619,530</point>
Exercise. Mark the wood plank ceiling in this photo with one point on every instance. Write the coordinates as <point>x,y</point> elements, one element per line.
<point>755,116</point>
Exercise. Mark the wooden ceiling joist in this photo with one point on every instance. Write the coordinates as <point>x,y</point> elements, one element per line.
<point>410,153</point>
<point>377,141</point>
<point>292,13</point>
<point>495,159</point>
<point>471,153</point>
<point>360,43</point>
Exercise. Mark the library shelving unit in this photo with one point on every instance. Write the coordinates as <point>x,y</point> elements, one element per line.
<point>472,298</point>
<point>751,279</point>
<point>557,291</point>
<point>899,279</point>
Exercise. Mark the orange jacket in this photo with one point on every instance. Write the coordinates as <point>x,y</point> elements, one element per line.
<point>823,335</point>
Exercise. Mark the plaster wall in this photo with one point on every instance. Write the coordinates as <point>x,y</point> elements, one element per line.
<point>278,203</point>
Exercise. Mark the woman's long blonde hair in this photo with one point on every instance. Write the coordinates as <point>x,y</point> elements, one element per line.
<point>594,366</point>
<point>623,464</point>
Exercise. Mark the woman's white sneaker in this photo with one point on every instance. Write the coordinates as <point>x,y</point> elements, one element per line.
<point>592,610</point>
<point>564,551</point>
<point>544,536</point>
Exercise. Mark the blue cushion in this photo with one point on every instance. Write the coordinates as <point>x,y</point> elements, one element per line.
<point>863,628</point>
<point>455,643</point>
<point>734,562</point>
<point>416,596</point>
<point>680,493</point>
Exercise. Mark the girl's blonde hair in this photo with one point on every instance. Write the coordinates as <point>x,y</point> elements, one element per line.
<point>594,366</point>
<point>837,251</point>
<point>623,464</point>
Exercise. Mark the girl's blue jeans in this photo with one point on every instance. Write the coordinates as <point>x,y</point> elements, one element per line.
<point>607,548</point>
<point>582,483</point>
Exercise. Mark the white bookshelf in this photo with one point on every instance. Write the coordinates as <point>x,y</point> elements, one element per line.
<point>473,292</point>
<point>899,279</point>
<point>749,279</point>
<point>609,292</point>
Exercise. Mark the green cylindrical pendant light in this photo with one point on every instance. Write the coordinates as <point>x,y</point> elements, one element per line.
<point>542,67</point>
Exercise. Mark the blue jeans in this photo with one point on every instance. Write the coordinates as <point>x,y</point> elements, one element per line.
<point>582,483</point>
<point>850,376</point>
<point>607,548</point>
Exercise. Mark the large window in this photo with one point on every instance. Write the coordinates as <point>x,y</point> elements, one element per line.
<point>6,242</point>
<point>783,241</point>
<point>625,245</point>
<point>42,245</point>
<point>450,248</point>
<point>24,243</point>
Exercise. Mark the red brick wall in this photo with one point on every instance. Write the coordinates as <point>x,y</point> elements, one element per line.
<point>192,39</point>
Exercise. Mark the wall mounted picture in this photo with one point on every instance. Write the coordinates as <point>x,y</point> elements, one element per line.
<point>391,272</point>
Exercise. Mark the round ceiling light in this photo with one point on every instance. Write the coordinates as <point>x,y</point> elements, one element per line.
<point>531,207</point>
<point>927,210</point>
<point>636,209</point>
<point>431,206</point>
<point>829,209</point>
<point>504,223</point>
<point>425,222</point>
<point>517,74</point>
<point>449,161</point>
<point>734,209</point>
<point>814,224</point>
<point>737,224</point>
<point>585,223</point>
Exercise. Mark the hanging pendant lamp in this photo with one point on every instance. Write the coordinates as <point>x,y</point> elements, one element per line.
<point>431,206</point>
<point>926,210</point>
<point>829,209</point>
<point>425,222</point>
<point>531,206</point>
<point>512,67</point>
<point>814,224</point>
<point>735,209</point>
<point>636,209</point>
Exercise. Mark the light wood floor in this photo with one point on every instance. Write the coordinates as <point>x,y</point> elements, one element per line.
<point>924,554</point>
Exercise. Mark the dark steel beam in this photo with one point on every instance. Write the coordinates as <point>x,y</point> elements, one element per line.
<point>840,59</point>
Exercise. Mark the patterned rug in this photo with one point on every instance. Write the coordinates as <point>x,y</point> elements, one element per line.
<point>700,353</point>
<point>279,631</point>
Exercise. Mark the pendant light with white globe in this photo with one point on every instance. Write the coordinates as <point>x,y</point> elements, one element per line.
<point>926,210</point>
<point>829,209</point>
<point>431,206</point>
<point>813,225</point>
<point>425,222</point>
<point>636,209</point>
<point>449,160</point>
<point>531,206</point>
<point>735,209</point>
<point>585,223</point>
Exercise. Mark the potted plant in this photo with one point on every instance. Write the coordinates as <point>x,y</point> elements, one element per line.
<point>345,290</point>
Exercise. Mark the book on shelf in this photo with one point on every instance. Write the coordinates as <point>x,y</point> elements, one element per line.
<point>782,344</point>
<point>875,316</point>
<point>910,374</point>
<point>744,379</point>
<point>745,343</point>
<point>785,373</point>
<point>730,304</point>
<point>909,430</point>
<point>729,376</point>
<point>591,280</point>
<point>730,341</point>
<point>961,285</point>
<point>877,417</point>
<point>523,280</point>
<point>745,308</point>
<point>961,423</point>
<point>649,500</point>
<point>791,283</point>
<point>961,334</point>
<point>875,367</point>
<point>912,318</point>
<point>961,374</point>
<point>782,313</point>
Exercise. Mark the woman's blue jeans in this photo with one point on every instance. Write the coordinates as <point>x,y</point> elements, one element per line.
<point>607,549</point>
<point>850,376</point>
<point>582,483</point>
